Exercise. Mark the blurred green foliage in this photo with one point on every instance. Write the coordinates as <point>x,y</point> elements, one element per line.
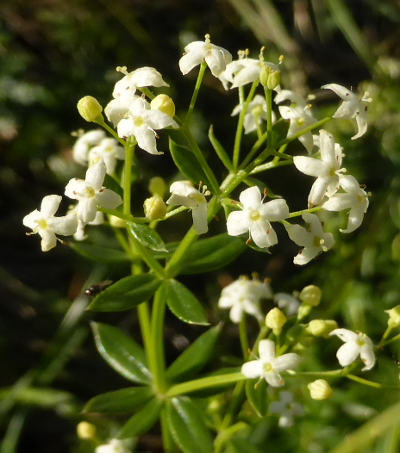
<point>53,52</point>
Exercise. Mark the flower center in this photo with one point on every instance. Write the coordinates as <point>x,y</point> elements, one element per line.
<point>332,171</point>
<point>255,215</point>
<point>42,224</point>
<point>138,121</point>
<point>300,121</point>
<point>267,368</point>
<point>360,342</point>
<point>89,192</point>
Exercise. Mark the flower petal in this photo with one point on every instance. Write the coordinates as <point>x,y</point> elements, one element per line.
<point>194,56</point>
<point>65,225</point>
<point>30,220</point>
<point>311,166</point>
<point>347,353</point>
<point>95,175</point>
<point>275,210</point>
<point>199,215</point>
<point>49,205</point>
<point>108,199</point>
<point>237,223</point>
<point>318,190</point>
<point>299,235</point>
<point>146,140</point>
<point>251,198</point>
<point>262,233</point>
<point>355,219</point>
<point>252,369</point>
<point>266,349</point>
<point>306,255</point>
<point>49,240</point>
<point>338,202</point>
<point>367,357</point>
<point>345,334</point>
<point>286,361</point>
<point>274,379</point>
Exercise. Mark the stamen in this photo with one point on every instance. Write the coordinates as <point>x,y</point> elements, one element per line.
<point>122,69</point>
<point>207,38</point>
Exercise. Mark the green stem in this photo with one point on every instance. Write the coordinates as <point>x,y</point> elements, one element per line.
<point>168,442</point>
<point>156,351</point>
<point>236,400</point>
<point>244,341</point>
<point>304,131</point>
<point>129,149</point>
<point>10,439</point>
<point>239,128</point>
<point>268,99</point>
<point>111,131</point>
<point>298,213</point>
<point>269,166</point>
<point>257,145</point>
<point>385,335</point>
<point>199,81</point>
<point>363,381</point>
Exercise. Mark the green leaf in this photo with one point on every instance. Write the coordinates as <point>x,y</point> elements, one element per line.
<point>240,445</point>
<point>121,353</point>
<point>147,236</point>
<point>143,420</point>
<point>219,149</point>
<point>119,401</point>
<point>257,396</point>
<point>183,303</point>
<point>193,359</point>
<point>186,423</point>
<point>187,163</point>
<point>209,254</point>
<point>99,253</point>
<point>126,293</point>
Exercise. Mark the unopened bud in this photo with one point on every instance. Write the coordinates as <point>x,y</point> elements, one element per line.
<point>157,186</point>
<point>90,109</point>
<point>275,320</point>
<point>116,222</point>
<point>269,78</point>
<point>311,295</point>
<point>394,316</point>
<point>321,327</point>
<point>320,389</point>
<point>154,208</point>
<point>85,430</point>
<point>164,104</point>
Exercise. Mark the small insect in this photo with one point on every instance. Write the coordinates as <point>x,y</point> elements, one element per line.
<point>97,288</point>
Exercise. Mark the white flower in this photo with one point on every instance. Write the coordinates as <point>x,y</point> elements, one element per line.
<point>313,239</point>
<point>299,114</point>
<point>255,217</point>
<point>107,151</point>
<point>85,142</point>
<point>354,198</point>
<point>243,296</point>
<point>198,51</point>
<point>287,303</point>
<point>141,77</point>
<point>113,446</point>
<point>243,71</point>
<point>355,344</point>
<point>327,169</point>
<point>90,193</point>
<point>117,108</point>
<point>268,366</point>
<point>351,107</point>
<point>287,408</point>
<point>80,234</point>
<point>47,225</point>
<point>183,193</point>
<point>256,112</point>
<point>141,122</point>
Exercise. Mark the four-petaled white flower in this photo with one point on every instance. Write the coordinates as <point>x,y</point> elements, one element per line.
<point>313,239</point>
<point>141,121</point>
<point>299,114</point>
<point>268,366</point>
<point>141,77</point>
<point>243,71</point>
<point>107,151</point>
<point>355,344</point>
<point>287,408</point>
<point>243,296</point>
<point>351,107</point>
<point>113,446</point>
<point>45,224</point>
<point>183,193</point>
<point>90,193</point>
<point>287,303</point>
<point>327,169</point>
<point>256,112</point>
<point>355,198</point>
<point>198,51</point>
<point>84,143</point>
<point>255,217</point>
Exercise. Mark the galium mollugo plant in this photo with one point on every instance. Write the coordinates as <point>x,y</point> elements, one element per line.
<point>273,355</point>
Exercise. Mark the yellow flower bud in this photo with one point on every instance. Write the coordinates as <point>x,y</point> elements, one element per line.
<point>116,222</point>
<point>275,320</point>
<point>86,430</point>
<point>90,109</point>
<point>321,327</point>
<point>311,295</point>
<point>154,208</point>
<point>157,186</point>
<point>320,389</point>
<point>164,104</point>
<point>394,316</point>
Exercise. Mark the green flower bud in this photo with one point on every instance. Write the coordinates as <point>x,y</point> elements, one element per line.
<point>154,208</point>
<point>90,109</point>
<point>321,327</point>
<point>164,104</point>
<point>275,320</point>
<point>394,316</point>
<point>116,222</point>
<point>311,295</point>
<point>304,310</point>
<point>320,389</point>
<point>269,78</point>
<point>157,186</point>
<point>85,430</point>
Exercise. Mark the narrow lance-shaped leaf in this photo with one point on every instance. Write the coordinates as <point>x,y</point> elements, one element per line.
<point>187,163</point>
<point>119,401</point>
<point>121,353</point>
<point>143,420</point>
<point>186,423</point>
<point>126,293</point>
<point>219,149</point>
<point>147,236</point>
<point>183,304</point>
<point>99,253</point>
<point>257,396</point>
<point>209,254</point>
<point>193,359</point>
